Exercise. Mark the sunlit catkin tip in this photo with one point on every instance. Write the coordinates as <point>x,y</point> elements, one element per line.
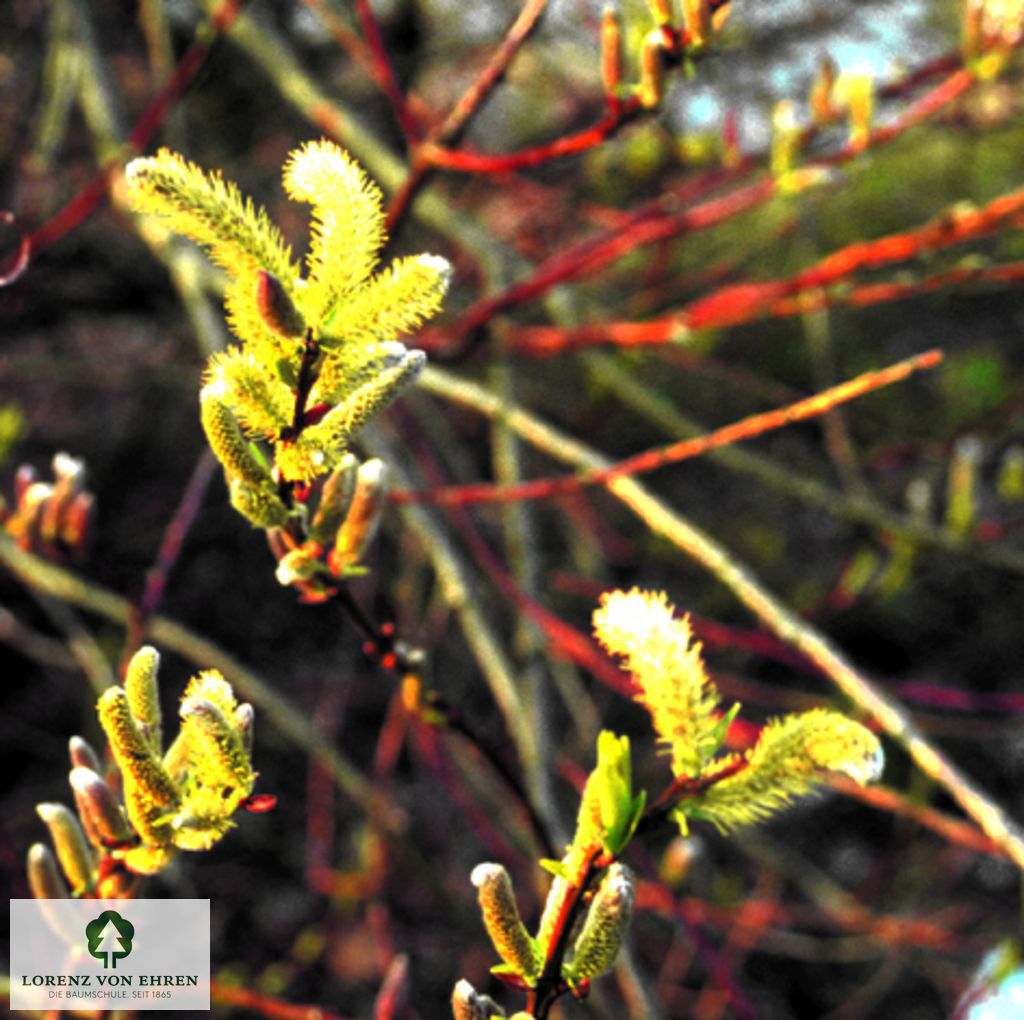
<point>652,70</point>
<point>296,566</point>
<point>605,926</point>
<point>68,471</point>
<point>363,518</point>
<point>501,919</point>
<point>466,1003</point>
<point>44,878</point>
<point>81,753</point>
<point>439,264</point>
<point>99,807</point>
<point>140,685</point>
<point>76,859</point>
<point>276,306</point>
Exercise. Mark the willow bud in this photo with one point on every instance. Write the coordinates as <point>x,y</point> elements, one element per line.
<point>605,926</point>
<point>501,918</point>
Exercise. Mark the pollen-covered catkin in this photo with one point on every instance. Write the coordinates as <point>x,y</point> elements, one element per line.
<point>501,918</point>
<point>605,926</point>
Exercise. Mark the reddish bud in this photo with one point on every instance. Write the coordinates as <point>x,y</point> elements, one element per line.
<point>276,306</point>
<point>260,803</point>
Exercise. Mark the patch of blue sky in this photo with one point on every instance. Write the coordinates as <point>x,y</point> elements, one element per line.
<point>1006,1003</point>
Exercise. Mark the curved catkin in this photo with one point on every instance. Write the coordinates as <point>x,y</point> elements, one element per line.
<point>502,921</point>
<point>217,753</point>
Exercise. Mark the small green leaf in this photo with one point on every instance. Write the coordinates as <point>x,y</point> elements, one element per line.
<point>556,868</point>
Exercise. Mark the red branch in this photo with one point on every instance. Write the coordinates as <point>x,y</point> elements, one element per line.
<point>384,72</point>
<point>89,198</point>
<point>649,460</point>
<point>809,289</point>
<point>594,254</point>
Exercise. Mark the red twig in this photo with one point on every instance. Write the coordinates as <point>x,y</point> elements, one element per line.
<point>594,254</point>
<point>484,84</point>
<point>170,549</point>
<point>808,289</point>
<point>465,107</point>
<point>545,488</point>
<point>468,161</point>
<point>89,198</point>
<point>384,72</point>
<point>951,829</point>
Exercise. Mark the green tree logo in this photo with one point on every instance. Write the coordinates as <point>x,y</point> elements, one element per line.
<point>110,938</point>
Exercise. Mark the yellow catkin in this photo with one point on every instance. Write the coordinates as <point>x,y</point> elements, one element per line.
<point>150,795</point>
<point>667,665</point>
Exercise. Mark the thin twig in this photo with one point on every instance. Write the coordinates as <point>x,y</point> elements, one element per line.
<point>651,460</point>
